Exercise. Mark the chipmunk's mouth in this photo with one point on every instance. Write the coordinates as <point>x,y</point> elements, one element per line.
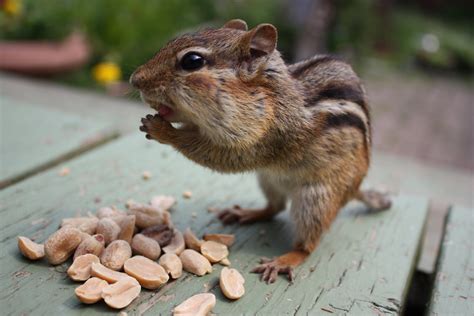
<point>164,110</point>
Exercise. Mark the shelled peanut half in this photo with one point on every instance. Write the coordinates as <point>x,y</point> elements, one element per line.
<point>116,253</point>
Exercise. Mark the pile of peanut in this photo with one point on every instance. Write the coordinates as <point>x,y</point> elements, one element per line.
<point>117,253</point>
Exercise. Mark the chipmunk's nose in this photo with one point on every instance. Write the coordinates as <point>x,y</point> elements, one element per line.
<point>139,79</point>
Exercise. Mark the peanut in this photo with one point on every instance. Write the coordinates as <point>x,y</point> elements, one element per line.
<point>225,239</point>
<point>148,273</point>
<point>109,229</point>
<point>197,305</point>
<point>163,202</point>
<point>104,273</point>
<point>127,228</point>
<point>176,245</point>
<point>92,244</point>
<point>30,249</point>
<point>231,283</point>
<point>191,241</point>
<point>61,245</point>
<point>187,194</point>
<point>115,255</point>
<point>214,251</point>
<point>91,291</point>
<point>109,212</point>
<point>80,270</point>
<point>161,233</point>
<point>145,246</point>
<point>147,215</point>
<point>172,264</point>
<point>121,293</point>
<point>195,263</point>
<point>225,262</point>
<point>85,224</point>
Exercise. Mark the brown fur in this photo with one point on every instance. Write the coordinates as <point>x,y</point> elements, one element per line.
<point>304,128</point>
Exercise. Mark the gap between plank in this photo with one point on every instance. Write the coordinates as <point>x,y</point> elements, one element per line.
<point>90,145</point>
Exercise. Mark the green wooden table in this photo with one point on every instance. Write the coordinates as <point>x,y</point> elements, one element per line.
<point>34,138</point>
<point>364,265</point>
<point>454,284</point>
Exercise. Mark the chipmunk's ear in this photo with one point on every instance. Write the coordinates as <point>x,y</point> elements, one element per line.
<point>237,24</point>
<point>261,40</point>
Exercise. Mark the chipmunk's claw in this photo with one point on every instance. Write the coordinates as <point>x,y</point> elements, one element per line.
<point>376,200</point>
<point>156,128</point>
<point>243,215</point>
<point>230,215</point>
<point>270,268</point>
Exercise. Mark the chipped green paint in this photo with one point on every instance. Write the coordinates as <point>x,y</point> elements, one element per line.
<point>362,266</point>
<point>34,138</point>
<point>453,293</point>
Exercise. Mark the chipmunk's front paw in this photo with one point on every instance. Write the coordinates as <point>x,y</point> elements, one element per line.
<point>156,128</point>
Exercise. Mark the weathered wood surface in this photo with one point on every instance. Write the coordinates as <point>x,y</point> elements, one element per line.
<point>454,285</point>
<point>363,265</point>
<point>34,138</point>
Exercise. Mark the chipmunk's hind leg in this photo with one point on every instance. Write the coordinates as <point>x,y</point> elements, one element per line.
<point>313,209</point>
<point>276,203</point>
<point>375,200</point>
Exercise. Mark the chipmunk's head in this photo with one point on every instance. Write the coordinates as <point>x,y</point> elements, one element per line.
<point>221,80</point>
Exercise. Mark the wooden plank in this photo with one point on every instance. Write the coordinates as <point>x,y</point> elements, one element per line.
<point>364,263</point>
<point>454,285</point>
<point>35,138</point>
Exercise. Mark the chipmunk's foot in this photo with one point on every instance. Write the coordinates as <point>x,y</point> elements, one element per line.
<point>245,216</point>
<point>377,201</point>
<point>271,268</point>
<point>156,128</point>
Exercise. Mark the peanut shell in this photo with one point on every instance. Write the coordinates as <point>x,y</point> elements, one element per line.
<point>115,255</point>
<point>172,264</point>
<point>225,239</point>
<point>127,228</point>
<point>30,249</point>
<point>148,273</point>
<point>214,251</point>
<point>85,224</point>
<point>108,228</point>
<point>176,245</point>
<point>62,244</point>
<point>231,283</point>
<point>147,215</point>
<point>163,234</point>
<point>92,244</point>
<point>145,246</point>
<point>80,270</point>
<point>195,263</point>
<point>191,241</point>
<point>163,202</point>
<point>102,272</point>
<point>121,293</point>
<point>91,291</point>
<point>196,305</point>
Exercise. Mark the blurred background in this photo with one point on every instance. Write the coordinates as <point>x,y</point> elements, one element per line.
<point>416,57</point>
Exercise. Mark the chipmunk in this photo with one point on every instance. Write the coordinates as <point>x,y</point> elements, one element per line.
<point>303,128</point>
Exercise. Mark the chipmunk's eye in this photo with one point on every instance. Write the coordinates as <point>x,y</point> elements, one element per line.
<point>192,61</point>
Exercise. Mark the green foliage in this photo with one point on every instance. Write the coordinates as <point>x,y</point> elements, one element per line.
<point>456,50</point>
<point>361,33</point>
<point>354,32</point>
<point>125,31</point>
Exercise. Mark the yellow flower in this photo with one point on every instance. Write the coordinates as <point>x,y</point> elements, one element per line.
<point>11,7</point>
<point>106,73</point>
